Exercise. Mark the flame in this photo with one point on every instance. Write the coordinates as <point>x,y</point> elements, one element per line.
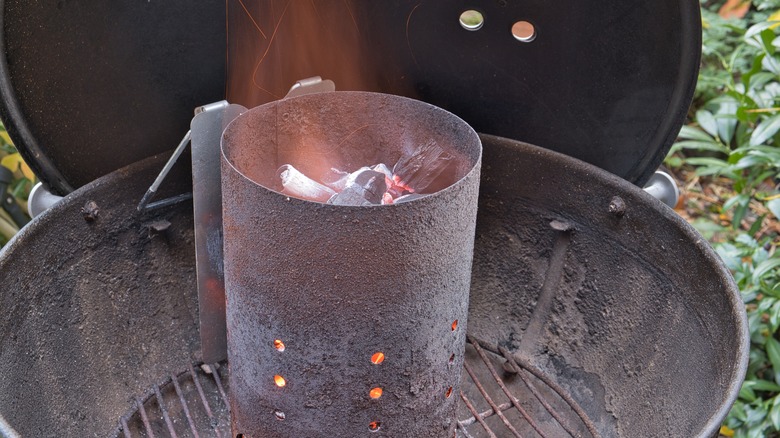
<point>279,380</point>
<point>273,43</point>
<point>374,425</point>
<point>279,345</point>
<point>375,393</point>
<point>454,325</point>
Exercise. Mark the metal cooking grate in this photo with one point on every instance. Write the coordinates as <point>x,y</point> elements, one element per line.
<point>502,396</point>
<point>191,404</point>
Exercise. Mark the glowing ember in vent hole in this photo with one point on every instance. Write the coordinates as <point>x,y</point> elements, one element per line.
<point>454,325</point>
<point>279,415</point>
<point>279,380</point>
<point>374,426</point>
<point>279,345</point>
<point>375,393</point>
<point>449,392</point>
<point>377,358</point>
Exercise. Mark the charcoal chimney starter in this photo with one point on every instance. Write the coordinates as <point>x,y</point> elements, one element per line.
<point>346,319</point>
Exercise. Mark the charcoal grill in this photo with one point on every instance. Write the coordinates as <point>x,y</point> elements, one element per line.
<point>594,309</point>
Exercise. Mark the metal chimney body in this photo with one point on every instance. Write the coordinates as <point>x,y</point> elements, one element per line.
<point>345,320</point>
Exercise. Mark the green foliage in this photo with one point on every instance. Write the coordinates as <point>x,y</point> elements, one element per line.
<point>20,186</point>
<point>734,136</point>
<point>756,267</point>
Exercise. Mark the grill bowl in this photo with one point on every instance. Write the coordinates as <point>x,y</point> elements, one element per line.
<point>645,329</point>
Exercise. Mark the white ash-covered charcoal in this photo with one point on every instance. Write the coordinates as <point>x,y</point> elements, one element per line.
<point>297,184</point>
<point>335,179</point>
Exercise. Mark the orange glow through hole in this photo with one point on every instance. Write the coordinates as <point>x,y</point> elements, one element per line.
<point>375,393</point>
<point>377,358</point>
<point>449,392</point>
<point>454,325</point>
<point>279,345</point>
<point>374,426</point>
<point>279,380</point>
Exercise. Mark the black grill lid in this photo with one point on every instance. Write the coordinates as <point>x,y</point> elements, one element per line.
<point>88,87</point>
<point>91,86</point>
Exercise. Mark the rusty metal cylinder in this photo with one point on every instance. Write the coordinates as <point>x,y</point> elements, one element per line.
<point>345,320</point>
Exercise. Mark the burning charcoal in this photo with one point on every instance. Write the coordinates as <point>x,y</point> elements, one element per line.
<point>371,182</point>
<point>381,167</point>
<point>300,186</point>
<point>363,187</point>
<point>417,171</point>
<point>407,198</point>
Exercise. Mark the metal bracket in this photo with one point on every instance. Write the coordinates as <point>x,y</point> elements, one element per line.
<point>145,201</point>
<point>207,127</point>
<point>310,86</point>
<point>205,136</point>
<point>663,187</point>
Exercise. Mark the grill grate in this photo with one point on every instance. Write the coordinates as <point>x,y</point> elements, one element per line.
<point>503,396</point>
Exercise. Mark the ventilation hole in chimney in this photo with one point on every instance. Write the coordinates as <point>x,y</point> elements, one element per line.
<point>375,393</point>
<point>279,415</point>
<point>279,345</point>
<point>279,380</point>
<point>240,435</point>
<point>449,392</point>
<point>524,31</point>
<point>454,325</point>
<point>452,359</point>
<point>374,426</point>
<point>378,358</point>
<point>472,20</point>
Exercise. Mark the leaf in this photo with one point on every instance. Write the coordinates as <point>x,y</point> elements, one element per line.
<point>763,385</point>
<point>773,352</point>
<point>767,37</point>
<point>707,121</point>
<point>774,414</point>
<point>727,121</point>
<point>757,28</point>
<point>5,137</point>
<point>15,162</point>
<point>739,214</point>
<point>774,207</point>
<point>763,268</point>
<point>701,146</point>
<point>766,130</point>
<point>746,393</point>
<point>735,200</point>
<point>691,133</point>
<point>774,316</point>
<point>707,161</point>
